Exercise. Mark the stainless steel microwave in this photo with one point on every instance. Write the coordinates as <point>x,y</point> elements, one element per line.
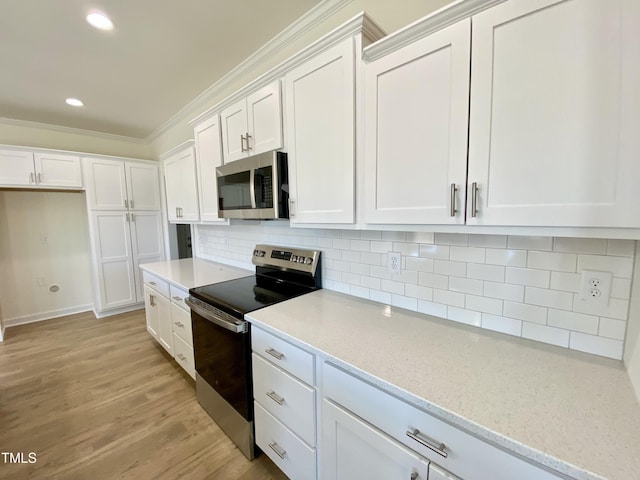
<point>256,187</point>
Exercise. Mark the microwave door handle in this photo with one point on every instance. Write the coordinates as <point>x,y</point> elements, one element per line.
<point>252,187</point>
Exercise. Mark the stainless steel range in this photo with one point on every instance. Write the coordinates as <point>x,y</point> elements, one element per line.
<point>221,335</point>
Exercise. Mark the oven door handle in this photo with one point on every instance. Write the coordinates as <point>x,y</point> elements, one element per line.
<point>239,327</point>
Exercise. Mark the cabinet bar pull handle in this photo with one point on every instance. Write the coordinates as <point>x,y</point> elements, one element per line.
<point>248,137</point>
<point>242,143</point>
<point>182,357</point>
<point>453,199</point>
<point>152,300</point>
<point>179,324</point>
<point>39,178</point>
<point>275,397</point>
<point>274,353</point>
<point>292,208</point>
<point>422,440</point>
<point>152,283</point>
<point>414,476</point>
<point>181,215</point>
<point>278,449</point>
<point>177,299</point>
<point>474,199</point>
<point>128,219</point>
<point>31,178</point>
<point>133,217</point>
<point>126,204</point>
<point>130,203</point>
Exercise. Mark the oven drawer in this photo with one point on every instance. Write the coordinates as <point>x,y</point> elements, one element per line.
<point>281,353</point>
<point>181,323</point>
<point>178,295</point>
<point>288,452</point>
<point>183,354</point>
<point>159,285</point>
<point>286,398</point>
<point>467,456</point>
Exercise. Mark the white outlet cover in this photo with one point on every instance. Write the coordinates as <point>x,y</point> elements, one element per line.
<point>595,286</point>
<point>394,262</point>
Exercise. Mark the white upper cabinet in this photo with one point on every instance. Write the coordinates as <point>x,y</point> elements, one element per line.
<point>320,107</point>
<point>40,169</point>
<point>555,114</point>
<point>253,125</point>
<point>208,157</point>
<point>143,184</point>
<point>416,110</point>
<point>181,186</point>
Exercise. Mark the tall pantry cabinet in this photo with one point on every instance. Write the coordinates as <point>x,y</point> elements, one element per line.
<point>125,225</point>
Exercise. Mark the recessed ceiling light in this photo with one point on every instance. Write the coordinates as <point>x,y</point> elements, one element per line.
<point>100,21</point>
<point>74,102</point>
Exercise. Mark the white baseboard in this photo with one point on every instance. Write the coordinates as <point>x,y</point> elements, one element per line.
<point>116,311</point>
<point>38,317</point>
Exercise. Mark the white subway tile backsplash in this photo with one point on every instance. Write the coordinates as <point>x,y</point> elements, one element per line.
<point>504,291</point>
<point>612,328</point>
<point>464,316</point>
<point>467,254</point>
<point>545,334</point>
<point>619,266</point>
<point>548,298</point>
<point>524,311</point>
<point>577,322</point>
<point>580,245</point>
<point>465,285</point>
<point>445,267</point>
<point>528,277</point>
<point>502,324</point>
<point>563,262</point>
<point>596,345</point>
<point>530,243</point>
<point>432,308</point>
<point>494,273</point>
<point>527,286</point>
<point>511,258</point>
<point>493,241</point>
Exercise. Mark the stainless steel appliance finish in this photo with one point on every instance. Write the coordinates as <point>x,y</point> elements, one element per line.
<point>256,187</point>
<point>221,335</point>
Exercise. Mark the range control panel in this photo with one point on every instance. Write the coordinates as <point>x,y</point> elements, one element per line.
<point>298,259</point>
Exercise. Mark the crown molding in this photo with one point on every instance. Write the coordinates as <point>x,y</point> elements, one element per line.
<point>71,130</point>
<point>442,18</point>
<point>300,27</point>
<point>178,148</point>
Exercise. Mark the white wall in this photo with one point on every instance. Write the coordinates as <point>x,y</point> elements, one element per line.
<point>632,344</point>
<point>43,239</point>
<point>522,286</point>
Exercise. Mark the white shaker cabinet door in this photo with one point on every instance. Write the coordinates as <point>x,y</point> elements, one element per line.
<point>56,170</point>
<point>143,186</point>
<point>234,130</point>
<point>146,242</point>
<point>151,313</point>
<point>320,103</point>
<point>16,168</point>
<point>106,185</point>
<point>181,187</point>
<point>208,158</point>
<point>555,114</point>
<point>264,119</point>
<point>353,449</point>
<point>416,126</point>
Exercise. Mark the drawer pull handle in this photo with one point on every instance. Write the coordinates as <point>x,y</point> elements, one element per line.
<point>182,357</point>
<point>414,476</point>
<point>153,284</point>
<point>278,449</point>
<point>177,299</point>
<point>179,324</point>
<point>274,353</point>
<point>275,397</point>
<point>422,440</point>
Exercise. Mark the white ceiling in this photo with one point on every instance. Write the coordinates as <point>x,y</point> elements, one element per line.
<point>160,56</point>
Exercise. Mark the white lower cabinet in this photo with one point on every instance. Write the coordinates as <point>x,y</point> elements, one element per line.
<point>158,314</point>
<point>353,449</point>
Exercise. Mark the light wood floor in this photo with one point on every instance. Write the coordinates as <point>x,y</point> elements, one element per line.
<point>99,399</point>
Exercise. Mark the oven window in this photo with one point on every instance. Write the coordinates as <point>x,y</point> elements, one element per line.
<point>234,191</point>
<point>223,360</point>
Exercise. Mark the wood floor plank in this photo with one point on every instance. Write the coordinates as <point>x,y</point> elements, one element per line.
<point>100,399</point>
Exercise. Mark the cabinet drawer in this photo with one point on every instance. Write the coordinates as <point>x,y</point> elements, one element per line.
<point>281,353</point>
<point>286,398</point>
<point>467,456</point>
<point>181,324</point>
<point>178,295</point>
<point>159,285</point>
<point>288,452</point>
<point>183,354</point>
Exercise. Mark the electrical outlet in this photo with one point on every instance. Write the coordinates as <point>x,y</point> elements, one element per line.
<point>394,260</point>
<point>595,286</point>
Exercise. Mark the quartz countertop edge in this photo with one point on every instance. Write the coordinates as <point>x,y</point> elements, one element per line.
<point>188,273</point>
<point>281,320</point>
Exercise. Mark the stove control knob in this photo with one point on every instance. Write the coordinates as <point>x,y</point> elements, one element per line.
<point>301,259</point>
<point>308,261</point>
<point>294,258</point>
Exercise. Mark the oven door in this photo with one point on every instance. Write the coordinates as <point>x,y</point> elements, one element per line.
<point>222,351</point>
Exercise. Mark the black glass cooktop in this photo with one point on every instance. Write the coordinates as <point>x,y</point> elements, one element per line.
<point>247,294</point>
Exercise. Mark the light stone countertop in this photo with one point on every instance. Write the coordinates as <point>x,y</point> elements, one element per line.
<point>570,411</point>
<point>194,272</point>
